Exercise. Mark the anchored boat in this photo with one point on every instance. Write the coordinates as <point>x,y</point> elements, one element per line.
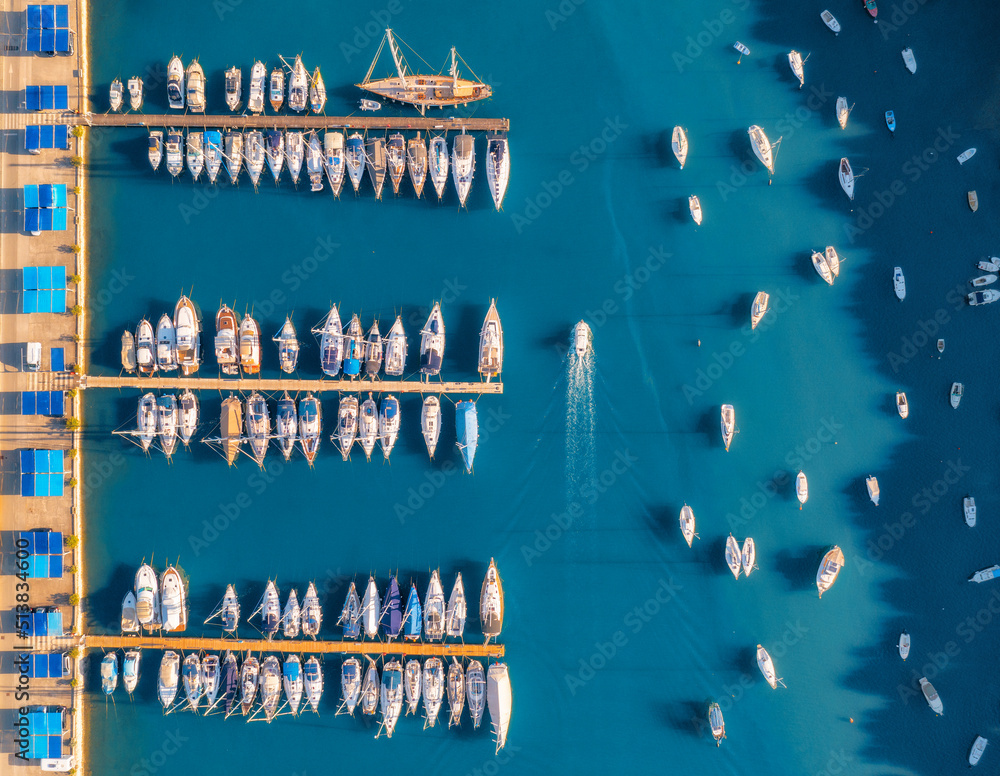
<point>388,424</point>
<point>354,159</point>
<point>829,569</point>
<point>847,178</point>
<point>762,147</point>
<point>498,700</point>
<point>250,346</point>
<point>135,93</point>
<point>687,524</point>
<point>679,144</point>
<point>931,696</point>
<point>456,692</point>
<point>433,689</point>
<point>759,308</point>
<point>873,492</point>
<point>766,666</point>
<point>298,87</point>
<point>350,615</point>
<point>733,557</point>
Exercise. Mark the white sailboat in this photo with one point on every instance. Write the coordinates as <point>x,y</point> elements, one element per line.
<point>728,424</point>
<point>821,267</point>
<point>687,524</point>
<point>497,168</point>
<point>843,112</point>
<point>762,147</point>
<point>832,260</point>
<point>734,559</point>
<point>694,205</point>
<point>759,308</point>
<point>499,701</point>
<point>766,666</point>
<point>679,144</point>
<point>749,556</point>
<point>796,62</point>
<point>847,178</point>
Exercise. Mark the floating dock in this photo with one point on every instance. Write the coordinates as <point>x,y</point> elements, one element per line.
<point>239,121</point>
<point>291,385</point>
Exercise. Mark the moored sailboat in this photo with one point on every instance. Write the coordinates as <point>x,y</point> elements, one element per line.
<point>232,141</point>
<point>491,603</point>
<point>350,615</point>
<point>288,346</point>
<point>375,159</point>
<point>258,426</point>
<point>310,426</point>
<point>317,92</point>
<point>350,684</point>
<point>467,431</point>
<point>368,426</point>
<point>463,165</point>
<point>759,308</point>
<point>334,160</point>
<point>733,557</point>
<point>829,569</point>
<point>475,692</point>
<point>396,349</point>
<point>499,701</point>
<point>395,156</point>
<point>434,609</point>
<point>433,689</point>
<point>438,161</point>
<point>679,144</point>
<point>766,666</point>
<point>312,613</point>
<point>347,425</point>
<point>416,163</point>
<point>762,147</point>
<point>687,524</point>
<point>497,167</point>
<point>432,343</point>
<point>457,610</point>
<point>491,344</point>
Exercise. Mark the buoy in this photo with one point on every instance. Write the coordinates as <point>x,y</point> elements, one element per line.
<point>852,720</point>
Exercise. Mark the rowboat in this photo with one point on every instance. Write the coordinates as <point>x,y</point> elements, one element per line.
<point>829,569</point>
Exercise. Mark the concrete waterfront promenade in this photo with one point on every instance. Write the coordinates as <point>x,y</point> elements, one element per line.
<point>17,250</point>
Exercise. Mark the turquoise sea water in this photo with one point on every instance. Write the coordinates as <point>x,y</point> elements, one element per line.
<point>617,634</point>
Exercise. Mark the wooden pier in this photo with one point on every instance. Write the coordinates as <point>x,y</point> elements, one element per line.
<point>239,121</point>
<point>291,385</point>
<point>295,646</point>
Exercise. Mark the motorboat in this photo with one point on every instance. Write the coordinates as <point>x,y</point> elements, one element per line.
<point>491,603</point>
<point>902,405</point>
<point>439,164</point>
<point>966,155</point>
<point>368,426</point>
<point>187,416</point>
<point>249,679</point>
<point>931,696</point>
<point>213,153</point>
<point>128,351</point>
<point>166,344</point>
<point>582,340</point>
<point>687,524</point>
<point>430,423</point>
<point>374,351</point>
<point>295,154</point>
<point>829,569</point>
<point>312,679</point>
<point>940,346</point>
<point>890,120</point>
<point>314,162</point>
<point>983,297</point>
<point>234,88</point>
<point>292,682</point>
<point>830,21</point>
<point>467,431</point>
<point>370,690</point>
<point>174,602</point>
<point>498,701</point>
<point>317,92</point>
<point>762,147</point>
<point>847,178</point>
<point>109,673</point>
<point>258,426</point>
<point>904,645</point>
<point>347,425</point>
<point>275,152</point>
<point>187,333</point>
<point>749,556</point>
<point>354,348</point>
<point>255,155</point>
<point>226,348</point>
<point>475,692</point>
<point>909,60</point>
<point>376,163</point>
<point>728,424</point>
<point>146,417</point>
<point>416,163</point>
<point>288,347</point>
<point>694,205</point>
<point>801,488</point>
<point>457,610</point>
<point>983,280</point>
<point>130,620</point>
<point>395,349</point>
<point>168,678</point>
<point>899,283</point>
<point>433,689</point>
<point>191,679</point>
<point>395,157</point>
<point>391,615</point>
<point>717,723</point>
<point>832,260</point>
<point>350,683</point>
<point>354,159</point>
<point>230,684</point>
<point>734,558</point>
<point>766,666</point>
<point>130,670</point>
<point>413,616</point>
<point>249,346</point>
<point>117,94</point>
<point>231,428</point>
<point>270,686</point>
<point>312,613</point>
<point>276,90</point>
<point>873,494</point>
<point>413,676</point>
<point>232,141</point>
<point>796,62</point>
<point>175,83</point>
<point>957,391</point>
<point>432,343</point>
<point>195,88</point>
<point>759,308</point>
<point>456,692</point>
<point>270,610</point>
<point>978,746</point>
<point>174,152</point>
<point>155,148</point>
<point>969,507</point>
<point>350,615</point>
<point>388,424</point>
<point>258,83</point>
<point>985,575</point>
<point>331,345</point>
<point>135,93</point>
<point>298,87</point>
<point>334,160</point>
<point>679,144</point>
<point>291,616</point>
<point>821,267</point>
<point>491,344</point>
<point>391,696</point>
<point>371,607</point>
<point>497,167</point>
<point>463,165</point>
<point>434,609</point>
<point>166,423</point>
<point>872,8</point>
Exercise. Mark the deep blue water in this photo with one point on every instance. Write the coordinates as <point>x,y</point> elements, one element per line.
<point>617,634</point>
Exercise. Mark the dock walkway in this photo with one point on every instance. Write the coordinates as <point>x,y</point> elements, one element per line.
<point>289,384</point>
<point>240,121</point>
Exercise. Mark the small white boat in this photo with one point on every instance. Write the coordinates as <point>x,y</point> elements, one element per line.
<point>801,488</point>
<point>135,93</point>
<point>687,524</point>
<point>117,93</point>
<point>988,296</point>
<point>931,695</point>
<point>749,556</point>
<point>733,557</point>
<point>830,21</point>
<point>843,112</point>
<point>762,147</point>
<point>582,337</point>
<point>728,424</point>
<point>430,423</point>
<point>902,405</point>
<point>957,391</point>
<point>759,308</point>
<point>717,723</point>
<point>989,266</point>
<point>909,60</point>
<point>904,645</point>
<point>412,681</point>
<point>983,280</point>
<point>977,750</point>
<point>679,144</point>
<point>744,51</point>
<point>766,666</point>
<point>966,155</point>
<point>796,62</point>
<point>872,484</point>
<point>973,198</point>
<point>899,283</point>
<point>940,346</point>
<point>822,267</point>
<point>969,507</point>
<point>130,620</point>
<point>847,178</point>
<point>498,701</point>
<point>829,569</point>
<point>369,105</point>
<point>985,575</point>
<point>694,205</point>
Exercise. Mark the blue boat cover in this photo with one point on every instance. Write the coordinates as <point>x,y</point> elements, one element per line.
<point>352,366</point>
<point>290,669</point>
<point>467,428</point>
<point>391,618</point>
<point>38,136</point>
<point>413,620</point>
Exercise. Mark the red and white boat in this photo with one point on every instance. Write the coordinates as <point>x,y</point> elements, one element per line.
<point>871,8</point>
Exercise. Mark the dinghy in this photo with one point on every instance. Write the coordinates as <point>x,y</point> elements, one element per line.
<point>973,201</point>
<point>890,120</point>
<point>983,280</point>
<point>904,645</point>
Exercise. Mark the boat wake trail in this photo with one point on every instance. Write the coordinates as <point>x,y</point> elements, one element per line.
<point>580,422</point>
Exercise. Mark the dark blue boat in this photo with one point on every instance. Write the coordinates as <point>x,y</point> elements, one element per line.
<point>413,618</point>
<point>230,683</point>
<point>391,618</point>
<point>467,429</point>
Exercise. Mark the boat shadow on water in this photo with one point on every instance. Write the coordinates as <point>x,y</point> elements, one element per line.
<point>657,145</point>
<point>798,567</point>
<point>689,717</point>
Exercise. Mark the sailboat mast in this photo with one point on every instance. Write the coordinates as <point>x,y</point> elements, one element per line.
<point>454,70</point>
<point>396,57</point>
